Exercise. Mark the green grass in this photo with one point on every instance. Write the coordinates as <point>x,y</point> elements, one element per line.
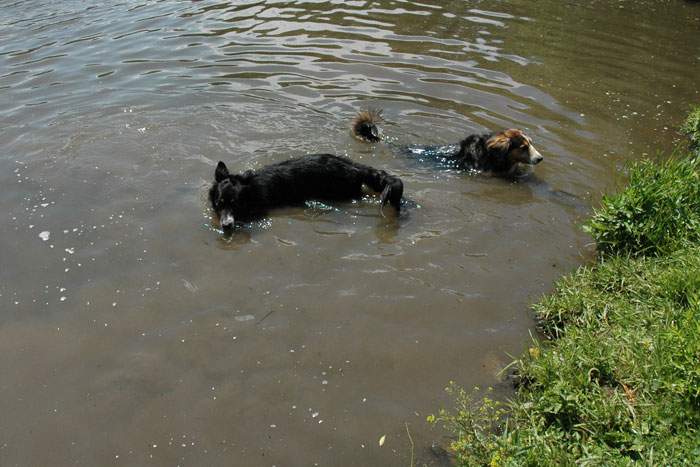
<point>659,211</point>
<point>691,127</point>
<point>615,378</point>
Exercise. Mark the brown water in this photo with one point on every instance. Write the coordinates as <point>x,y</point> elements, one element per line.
<point>135,335</point>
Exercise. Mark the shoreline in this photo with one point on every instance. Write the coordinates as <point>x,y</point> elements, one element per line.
<point>614,376</point>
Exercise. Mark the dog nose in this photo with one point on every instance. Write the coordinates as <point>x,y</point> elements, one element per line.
<point>535,156</point>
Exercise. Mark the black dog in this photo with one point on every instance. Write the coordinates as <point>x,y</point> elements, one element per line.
<point>498,153</point>
<point>252,194</point>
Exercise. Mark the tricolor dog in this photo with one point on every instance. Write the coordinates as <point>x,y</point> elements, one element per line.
<point>498,153</point>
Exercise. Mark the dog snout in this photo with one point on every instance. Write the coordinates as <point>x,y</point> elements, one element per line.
<point>227,220</point>
<point>535,156</point>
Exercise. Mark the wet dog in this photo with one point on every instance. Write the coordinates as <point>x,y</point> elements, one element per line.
<point>251,195</point>
<point>498,153</point>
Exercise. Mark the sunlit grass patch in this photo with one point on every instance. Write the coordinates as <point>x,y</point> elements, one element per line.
<point>658,211</point>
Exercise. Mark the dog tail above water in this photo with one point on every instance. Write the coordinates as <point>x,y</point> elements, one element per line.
<point>364,125</point>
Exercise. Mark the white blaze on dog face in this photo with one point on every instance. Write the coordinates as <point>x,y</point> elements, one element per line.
<point>224,195</point>
<point>225,203</point>
<point>535,156</point>
<point>227,220</point>
<point>521,148</point>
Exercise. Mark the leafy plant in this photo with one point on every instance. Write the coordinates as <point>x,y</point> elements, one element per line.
<point>691,127</point>
<point>474,422</point>
<point>657,212</point>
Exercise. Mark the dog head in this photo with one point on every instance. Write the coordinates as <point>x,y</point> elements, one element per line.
<point>224,195</point>
<point>514,147</point>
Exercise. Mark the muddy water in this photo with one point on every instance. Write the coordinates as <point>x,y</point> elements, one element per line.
<point>131,333</point>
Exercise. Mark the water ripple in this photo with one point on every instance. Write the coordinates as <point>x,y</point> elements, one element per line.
<point>315,52</point>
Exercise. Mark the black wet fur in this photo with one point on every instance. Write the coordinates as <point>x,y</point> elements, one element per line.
<point>471,154</point>
<point>252,194</point>
<point>474,155</point>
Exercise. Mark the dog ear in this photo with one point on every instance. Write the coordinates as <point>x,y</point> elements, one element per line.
<point>499,144</point>
<point>221,172</point>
